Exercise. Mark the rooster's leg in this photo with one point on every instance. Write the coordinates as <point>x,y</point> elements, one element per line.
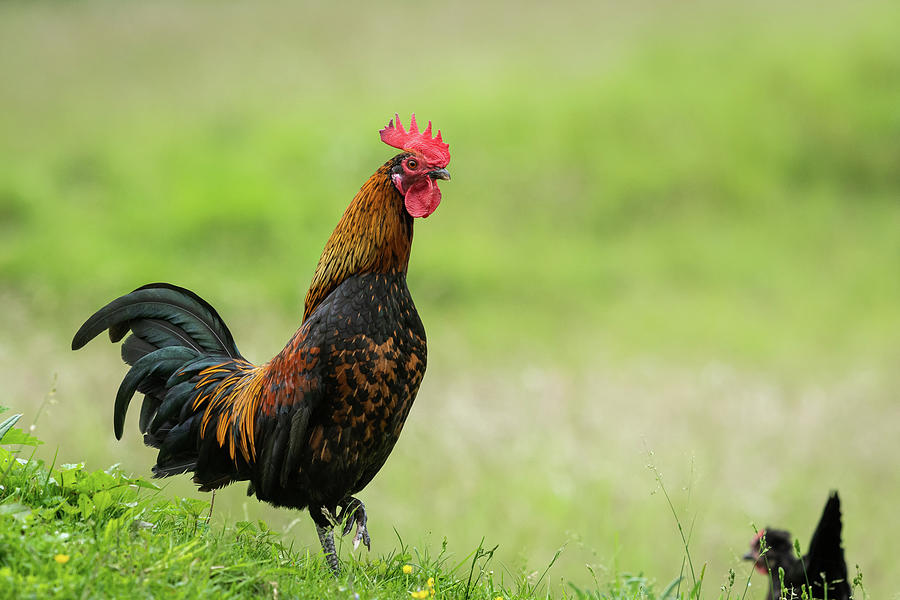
<point>326,538</point>
<point>355,512</point>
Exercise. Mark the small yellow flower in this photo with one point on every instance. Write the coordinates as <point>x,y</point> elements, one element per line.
<point>430,582</point>
<point>61,558</point>
<point>499,598</point>
<point>419,594</point>
<point>407,569</point>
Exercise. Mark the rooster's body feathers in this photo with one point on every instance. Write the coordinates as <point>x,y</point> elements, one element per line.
<point>308,428</point>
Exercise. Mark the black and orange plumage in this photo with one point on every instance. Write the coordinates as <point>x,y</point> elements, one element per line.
<point>311,427</point>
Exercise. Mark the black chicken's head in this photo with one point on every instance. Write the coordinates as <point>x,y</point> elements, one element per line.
<point>770,549</point>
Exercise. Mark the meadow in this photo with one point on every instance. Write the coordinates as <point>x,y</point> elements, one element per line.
<point>672,238</point>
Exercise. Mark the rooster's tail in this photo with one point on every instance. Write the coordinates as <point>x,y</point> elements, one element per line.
<point>178,346</point>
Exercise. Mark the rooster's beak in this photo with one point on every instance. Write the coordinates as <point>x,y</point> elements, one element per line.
<point>439,174</point>
<point>750,556</point>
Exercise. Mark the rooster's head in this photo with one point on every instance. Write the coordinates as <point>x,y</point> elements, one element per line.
<point>416,171</point>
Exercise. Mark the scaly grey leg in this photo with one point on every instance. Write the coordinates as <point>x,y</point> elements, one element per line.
<point>326,538</point>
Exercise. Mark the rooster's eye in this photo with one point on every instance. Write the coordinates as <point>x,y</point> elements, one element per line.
<point>412,164</point>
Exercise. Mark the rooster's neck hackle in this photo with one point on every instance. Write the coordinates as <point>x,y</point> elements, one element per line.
<point>373,236</point>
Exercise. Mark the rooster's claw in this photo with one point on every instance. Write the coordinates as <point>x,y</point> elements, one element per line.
<point>355,512</point>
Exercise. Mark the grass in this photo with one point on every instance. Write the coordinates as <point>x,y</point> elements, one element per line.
<point>670,227</point>
<point>69,532</point>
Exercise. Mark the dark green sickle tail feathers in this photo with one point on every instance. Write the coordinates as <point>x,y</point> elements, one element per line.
<point>159,315</point>
<point>175,334</point>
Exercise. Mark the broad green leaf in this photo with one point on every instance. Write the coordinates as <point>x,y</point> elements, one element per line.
<point>20,437</point>
<point>85,505</point>
<point>102,501</point>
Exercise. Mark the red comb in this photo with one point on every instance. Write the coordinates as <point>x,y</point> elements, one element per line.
<point>434,149</point>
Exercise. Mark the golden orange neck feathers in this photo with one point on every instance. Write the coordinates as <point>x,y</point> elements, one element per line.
<point>373,236</point>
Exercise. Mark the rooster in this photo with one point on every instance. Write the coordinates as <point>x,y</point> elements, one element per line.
<point>311,427</point>
<point>772,550</point>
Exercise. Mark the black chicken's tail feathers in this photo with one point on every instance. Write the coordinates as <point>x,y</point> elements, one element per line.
<point>175,335</point>
<point>828,531</point>
<point>826,553</point>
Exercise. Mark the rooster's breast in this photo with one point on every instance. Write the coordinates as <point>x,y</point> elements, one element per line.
<point>374,360</point>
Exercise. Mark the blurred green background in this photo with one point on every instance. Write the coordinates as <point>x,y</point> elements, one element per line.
<point>672,238</point>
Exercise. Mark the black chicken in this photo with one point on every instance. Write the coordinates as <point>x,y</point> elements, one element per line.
<point>822,565</point>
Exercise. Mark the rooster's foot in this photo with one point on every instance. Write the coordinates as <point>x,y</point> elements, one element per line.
<point>354,511</point>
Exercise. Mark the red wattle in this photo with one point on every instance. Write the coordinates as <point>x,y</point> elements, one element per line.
<point>422,197</point>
